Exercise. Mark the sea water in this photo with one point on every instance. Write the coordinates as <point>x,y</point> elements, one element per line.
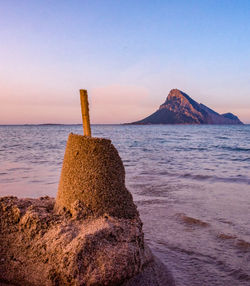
<point>191,184</point>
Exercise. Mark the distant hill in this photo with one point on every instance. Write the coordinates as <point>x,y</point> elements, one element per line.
<point>179,108</point>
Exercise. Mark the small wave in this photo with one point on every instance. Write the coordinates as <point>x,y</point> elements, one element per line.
<point>222,137</point>
<point>225,221</point>
<point>18,169</point>
<point>239,149</point>
<point>51,183</point>
<point>224,236</point>
<point>7,147</point>
<point>197,177</point>
<point>243,244</point>
<point>166,173</point>
<point>36,181</point>
<point>241,160</point>
<point>191,221</point>
<point>196,148</point>
<point>186,149</point>
<point>160,140</point>
<point>14,169</point>
<point>240,243</point>
<point>150,202</point>
<point>37,162</point>
<point>238,274</point>
<point>239,179</point>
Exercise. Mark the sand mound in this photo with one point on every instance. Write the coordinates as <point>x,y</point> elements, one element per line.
<point>40,247</point>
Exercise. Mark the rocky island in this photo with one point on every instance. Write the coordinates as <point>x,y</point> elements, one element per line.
<point>179,108</point>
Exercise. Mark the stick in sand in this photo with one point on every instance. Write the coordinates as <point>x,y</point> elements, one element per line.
<point>85,112</point>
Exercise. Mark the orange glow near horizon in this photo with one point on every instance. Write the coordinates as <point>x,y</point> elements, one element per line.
<point>108,104</point>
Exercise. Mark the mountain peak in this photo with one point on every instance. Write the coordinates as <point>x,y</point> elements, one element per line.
<point>180,108</point>
<point>174,94</point>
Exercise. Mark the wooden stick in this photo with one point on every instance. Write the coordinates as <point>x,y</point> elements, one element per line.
<point>85,112</point>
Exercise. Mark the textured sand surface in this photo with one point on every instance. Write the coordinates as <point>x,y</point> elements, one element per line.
<point>40,247</point>
<point>93,178</point>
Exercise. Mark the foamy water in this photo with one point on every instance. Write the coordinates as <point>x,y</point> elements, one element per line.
<point>190,183</point>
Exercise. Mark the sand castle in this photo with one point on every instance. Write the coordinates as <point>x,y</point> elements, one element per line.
<point>93,176</point>
<point>90,235</point>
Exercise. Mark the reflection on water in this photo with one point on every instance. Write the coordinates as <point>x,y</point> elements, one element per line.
<point>190,183</point>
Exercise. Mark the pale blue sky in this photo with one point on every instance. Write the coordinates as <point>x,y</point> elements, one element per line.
<point>128,54</point>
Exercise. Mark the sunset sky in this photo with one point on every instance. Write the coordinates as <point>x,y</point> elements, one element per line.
<point>127,54</point>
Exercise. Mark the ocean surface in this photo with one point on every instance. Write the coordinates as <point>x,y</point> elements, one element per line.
<point>191,185</point>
